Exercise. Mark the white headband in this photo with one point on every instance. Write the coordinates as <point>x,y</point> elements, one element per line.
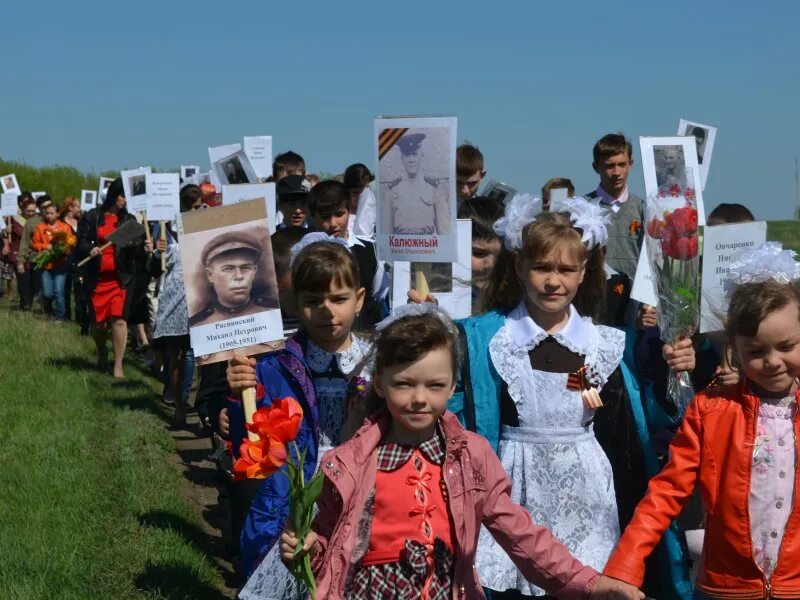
<point>416,310</point>
<point>316,237</point>
<point>769,261</point>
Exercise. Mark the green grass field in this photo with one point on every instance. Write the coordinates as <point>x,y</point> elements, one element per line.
<point>787,232</point>
<point>90,507</point>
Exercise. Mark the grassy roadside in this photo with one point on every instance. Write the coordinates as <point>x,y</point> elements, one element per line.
<point>787,232</point>
<point>89,505</point>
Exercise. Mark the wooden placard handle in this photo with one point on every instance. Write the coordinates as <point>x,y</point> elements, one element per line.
<point>421,283</point>
<point>147,235</point>
<point>249,405</point>
<point>163,225</point>
<point>90,257</point>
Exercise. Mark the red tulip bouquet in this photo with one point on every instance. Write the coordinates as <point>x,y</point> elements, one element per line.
<point>276,428</point>
<point>673,248</point>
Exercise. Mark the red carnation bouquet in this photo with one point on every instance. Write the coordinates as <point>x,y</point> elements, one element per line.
<point>276,428</point>
<point>673,243</point>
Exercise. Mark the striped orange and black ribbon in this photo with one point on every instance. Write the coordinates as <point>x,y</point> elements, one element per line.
<point>388,138</point>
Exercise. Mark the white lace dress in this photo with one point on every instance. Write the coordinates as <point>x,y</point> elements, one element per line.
<point>331,373</point>
<point>558,470</point>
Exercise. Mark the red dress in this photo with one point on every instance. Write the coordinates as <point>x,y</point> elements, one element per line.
<point>410,551</point>
<point>108,299</point>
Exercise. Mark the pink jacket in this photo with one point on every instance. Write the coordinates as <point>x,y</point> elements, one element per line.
<point>478,489</point>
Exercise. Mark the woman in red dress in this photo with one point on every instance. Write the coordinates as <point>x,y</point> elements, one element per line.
<point>110,275</point>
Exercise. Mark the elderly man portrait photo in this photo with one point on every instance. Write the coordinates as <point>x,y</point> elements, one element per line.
<point>230,285</point>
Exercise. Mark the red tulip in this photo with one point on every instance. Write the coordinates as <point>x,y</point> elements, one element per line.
<point>260,459</point>
<point>280,421</point>
<point>654,228</point>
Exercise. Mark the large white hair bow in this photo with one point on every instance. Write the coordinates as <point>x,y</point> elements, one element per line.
<point>521,210</point>
<point>589,217</point>
<point>769,261</point>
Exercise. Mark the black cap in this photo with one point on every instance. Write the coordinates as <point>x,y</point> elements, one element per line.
<point>296,187</point>
<point>410,142</point>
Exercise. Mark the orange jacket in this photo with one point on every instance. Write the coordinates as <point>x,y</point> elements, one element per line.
<point>713,447</point>
<point>43,237</point>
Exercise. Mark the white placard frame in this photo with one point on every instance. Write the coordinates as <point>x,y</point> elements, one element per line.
<point>647,145</point>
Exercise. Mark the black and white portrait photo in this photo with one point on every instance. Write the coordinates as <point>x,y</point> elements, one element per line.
<point>137,185</point>
<point>416,184</point>
<point>700,137</point>
<point>669,161</point>
<point>704,137</point>
<point>416,218</point>
<point>670,165</point>
<point>229,276</point>
<point>234,172</point>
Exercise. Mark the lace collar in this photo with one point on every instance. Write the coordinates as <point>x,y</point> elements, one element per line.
<point>526,334</point>
<point>320,361</point>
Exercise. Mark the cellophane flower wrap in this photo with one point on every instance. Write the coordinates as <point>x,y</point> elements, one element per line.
<point>277,427</point>
<point>673,243</point>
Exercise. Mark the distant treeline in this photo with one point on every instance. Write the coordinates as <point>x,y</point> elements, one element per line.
<point>58,181</point>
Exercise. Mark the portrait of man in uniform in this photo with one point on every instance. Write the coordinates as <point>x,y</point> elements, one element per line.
<point>230,286</point>
<point>418,200</point>
<point>8,183</point>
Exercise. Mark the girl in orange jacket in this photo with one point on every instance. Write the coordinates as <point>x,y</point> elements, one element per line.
<point>739,444</point>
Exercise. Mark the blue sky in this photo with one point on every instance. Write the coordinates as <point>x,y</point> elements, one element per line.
<point>112,85</point>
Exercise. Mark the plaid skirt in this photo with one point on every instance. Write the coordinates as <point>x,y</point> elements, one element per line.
<point>405,580</point>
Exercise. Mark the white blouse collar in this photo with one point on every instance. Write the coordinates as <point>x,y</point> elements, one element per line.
<point>525,333</point>
<point>319,360</point>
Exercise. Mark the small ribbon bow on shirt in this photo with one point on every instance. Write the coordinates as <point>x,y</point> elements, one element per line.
<point>586,381</point>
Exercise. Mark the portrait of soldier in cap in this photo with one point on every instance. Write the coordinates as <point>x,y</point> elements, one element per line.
<point>416,204</point>
<point>230,264</point>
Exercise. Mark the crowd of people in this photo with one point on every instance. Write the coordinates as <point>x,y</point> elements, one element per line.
<point>529,450</point>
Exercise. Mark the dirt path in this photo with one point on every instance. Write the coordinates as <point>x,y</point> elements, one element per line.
<point>199,488</point>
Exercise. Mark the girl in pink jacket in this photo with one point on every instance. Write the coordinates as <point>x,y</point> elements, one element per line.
<point>404,499</point>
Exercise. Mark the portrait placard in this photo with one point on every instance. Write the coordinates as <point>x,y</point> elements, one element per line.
<point>102,187</point>
<point>188,171</point>
<point>721,244</point>
<point>9,183</point>
<point>229,275</point>
<point>704,138</point>
<point>644,287</point>
<point>416,188</point>
<point>215,153</point>
<point>134,183</point>
<point>450,283</point>
<point>234,194</point>
<point>235,169</point>
<point>8,205</point>
<point>665,161</point>
<point>88,200</point>
<point>163,196</point>
<point>259,152</point>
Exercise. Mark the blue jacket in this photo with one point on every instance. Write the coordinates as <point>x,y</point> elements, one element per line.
<point>282,374</point>
<point>476,401</point>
